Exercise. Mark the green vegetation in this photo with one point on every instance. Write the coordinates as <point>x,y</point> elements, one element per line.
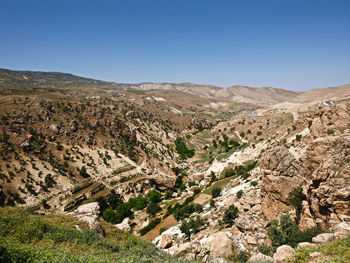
<point>150,226</point>
<point>231,213</point>
<point>182,150</point>
<point>32,238</point>
<point>153,209</point>
<point>287,232</point>
<point>215,192</point>
<point>334,252</point>
<point>296,197</point>
<point>191,226</point>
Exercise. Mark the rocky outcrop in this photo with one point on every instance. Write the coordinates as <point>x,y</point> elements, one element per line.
<point>328,118</point>
<point>327,172</point>
<point>89,214</point>
<point>324,174</point>
<point>281,176</point>
<point>124,225</point>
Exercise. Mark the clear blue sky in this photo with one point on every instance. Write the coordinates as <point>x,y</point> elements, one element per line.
<point>291,44</point>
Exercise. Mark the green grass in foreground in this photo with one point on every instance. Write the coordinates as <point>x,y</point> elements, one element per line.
<point>335,252</point>
<point>25,237</point>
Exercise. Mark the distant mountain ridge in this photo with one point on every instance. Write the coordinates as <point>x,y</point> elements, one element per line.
<point>16,80</point>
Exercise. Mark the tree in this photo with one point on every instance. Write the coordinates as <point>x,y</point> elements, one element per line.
<point>154,196</point>
<point>114,199</point>
<point>230,215</point>
<point>83,172</point>
<point>153,209</point>
<point>138,203</point>
<point>215,192</point>
<point>296,197</point>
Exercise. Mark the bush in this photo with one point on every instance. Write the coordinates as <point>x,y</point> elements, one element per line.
<point>266,250</point>
<point>254,183</point>
<point>230,215</point>
<point>153,209</point>
<point>114,199</point>
<point>123,211</point>
<point>149,227</point>
<point>329,132</point>
<point>138,203</point>
<point>288,233</point>
<point>181,211</point>
<point>168,195</point>
<point>192,226</point>
<point>154,196</point>
<point>239,194</point>
<point>83,172</point>
<point>228,172</point>
<point>296,197</point>
<point>215,192</point>
<point>182,150</point>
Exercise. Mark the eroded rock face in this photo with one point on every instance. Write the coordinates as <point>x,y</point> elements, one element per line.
<point>324,174</point>
<point>88,214</point>
<point>283,175</point>
<point>327,171</point>
<point>328,118</point>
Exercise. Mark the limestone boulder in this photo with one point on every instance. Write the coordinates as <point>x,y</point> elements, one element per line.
<point>283,253</point>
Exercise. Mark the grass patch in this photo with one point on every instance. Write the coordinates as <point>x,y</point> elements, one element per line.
<point>25,237</point>
<point>221,184</point>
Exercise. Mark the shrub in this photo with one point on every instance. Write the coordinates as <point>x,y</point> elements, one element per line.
<point>296,197</point>
<point>123,211</point>
<point>153,209</point>
<point>149,227</point>
<point>192,226</point>
<point>230,215</point>
<point>138,203</point>
<point>83,172</point>
<point>215,192</point>
<point>102,203</point>
<point>329,132</point>
<point>239,194</point>
<point>168,194</point>
<point>288,233</point>
<point>110,216</point>
<point>266,250</point>
<point>212,203</point>
<point>154,196</point>
<point>254,183</point>
<point>181,211</point>
<point>114,199</point>
<point>182,150</point>
<point>228,172</point>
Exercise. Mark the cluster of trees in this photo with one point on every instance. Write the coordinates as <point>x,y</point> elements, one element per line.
<point>182,150</point>
<point>114,210</point>
<point>192,226</point>
<point>287,232</point>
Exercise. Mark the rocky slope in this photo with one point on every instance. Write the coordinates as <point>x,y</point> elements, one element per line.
<point>207,180</point>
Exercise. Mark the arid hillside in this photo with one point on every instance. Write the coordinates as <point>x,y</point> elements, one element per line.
<point>202,177</point>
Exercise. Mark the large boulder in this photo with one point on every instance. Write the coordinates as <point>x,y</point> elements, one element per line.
<point>323,238</point>
<point>89,214</point>
<point>124,225</point>
<point>218,244</point>
<point>283,253</point>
